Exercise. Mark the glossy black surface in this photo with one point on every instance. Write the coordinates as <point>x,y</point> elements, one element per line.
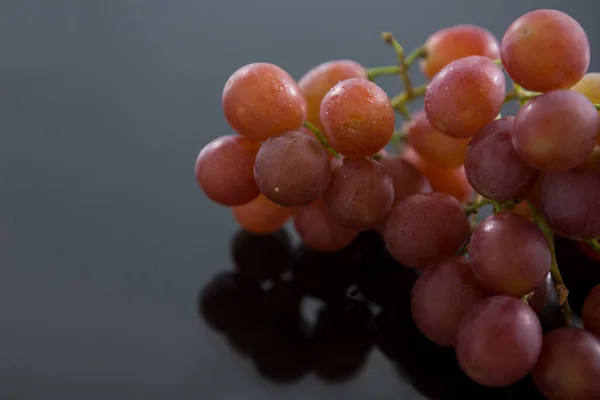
<point>107,245</point>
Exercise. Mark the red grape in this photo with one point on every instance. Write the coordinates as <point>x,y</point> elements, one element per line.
<point>319,230</point>
<point>465,96</point>
<point>570,199</point>
<point>545,50</point>
<point>509,254</point>
<point>589,86</point>
<point>224,170</point>
<point>433,145</point>
<point>360,194</point>
<point>261,215</point>
<point>499,341</point>
<point>358,118</point>
<point>292,169</point>
<point>406,178</point>
<point>493,167</point>
<point>556,130</point>
<point>425,228</point>
<point>569,365</point>
<point>443,180</point>
<point>442,295</point>
<point>589,251</point>
<point>591,312</point>
<point>319,80</point>
<point>261,100</point>
<point>459,41</point>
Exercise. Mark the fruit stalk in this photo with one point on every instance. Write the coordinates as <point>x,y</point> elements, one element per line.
<point>321,138</point>
<point>594,244</point>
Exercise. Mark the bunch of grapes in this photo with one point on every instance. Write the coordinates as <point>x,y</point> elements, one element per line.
<point>329,153</point>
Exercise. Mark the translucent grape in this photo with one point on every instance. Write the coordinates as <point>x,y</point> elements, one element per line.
<point>509,254</point>
<point>442,295</point>
<point>556,130</point>
<point>361,193</point>
<point>493,167</point>
<point>434,146</point>
<point>425,228</point>
<point>569,365</point>
<point>443,180</point>
<point>261,100</point>
<point>319,80</point>
<point>459,41</point>
<point>261,215</point>
<point>292,169</point>
<point>589,86</point>
<point>465,96</point>
<point>358,118</point>
<point>545,50</point>
<point>321,231</point>
<point>499,341</point>
<point>224,170</point>
<point>591,312</point>
<point>570,199</point>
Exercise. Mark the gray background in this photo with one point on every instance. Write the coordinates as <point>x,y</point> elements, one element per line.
<point>105,239</point>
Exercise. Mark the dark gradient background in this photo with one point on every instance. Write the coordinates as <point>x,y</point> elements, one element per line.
<point>105,239</point>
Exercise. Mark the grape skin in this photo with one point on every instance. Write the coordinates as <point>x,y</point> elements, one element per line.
<point>321,231</point>
<point>455,42</point>
<point>545,50</point>
<point>570,199</point>
<point>493,167</point>
<point>591,312</point>
<point>434,146</point>
<point>569,365</point>
<point>589,86</point>
<point>442,295</point>
<point>498,341</point>
<point>261,100</point>
<point>315,84</point>
<point>556,130</point>
<point>406,178</point>
<point>292,169</point>
<point>224,170</point>
<point>465,96</point>
<point>358,118</point>
<point>509,254</point>
<point>425,228</point>
<point>261,215</point>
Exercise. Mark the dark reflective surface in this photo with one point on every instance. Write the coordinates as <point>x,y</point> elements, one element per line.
<point>106,242</point>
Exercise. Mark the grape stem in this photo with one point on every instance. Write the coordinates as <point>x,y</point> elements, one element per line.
<point>476,205</point>
<point>375,72</point>
<point>561,289</point>
<point>320,138</point>
<point>399,101</point>
<point>594,244</point>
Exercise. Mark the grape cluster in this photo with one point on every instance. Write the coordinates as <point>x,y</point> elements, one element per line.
<point>318,151</point>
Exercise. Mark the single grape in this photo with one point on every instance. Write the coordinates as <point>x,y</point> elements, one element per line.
<point>442,295</point>
<point>425,228</point>
<point>261,215</point>
<point>443,180</point>
<point>556,130</point>
<point>358,118</point>
<point>361,193</point>
<point>493,167</point>
<point>465,96</point>
<point>545,50</point>
<point>292,169</point>
<point>569,365</point>
<point>455,42</point>
<point>509,254</point>
<point>498,341</point>
<point>406,178</point>
<point>261,100</point>
<point>591,312</point>
<point>319,80</point>
<point>224,170</point>
<point>434,146</point>
<point>570,199</point>
<point>589,86</point>
<point>319,230</point>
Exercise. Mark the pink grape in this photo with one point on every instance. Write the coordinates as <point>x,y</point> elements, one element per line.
<point>591,311</point>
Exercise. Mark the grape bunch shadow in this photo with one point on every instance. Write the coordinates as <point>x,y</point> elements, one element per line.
<point>362,301</point>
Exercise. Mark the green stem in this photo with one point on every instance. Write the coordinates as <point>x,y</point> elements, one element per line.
<point>419,52</point>
<point>497,206</point>
<point>321,138</point>
<point>404,61</point>
<point>594,244</point>
<point>559,283</point>
<point>375,72</point>
<point>498,62</point>
<point>597,106</point>
<point>399,101</point>
<point>476,205</point>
